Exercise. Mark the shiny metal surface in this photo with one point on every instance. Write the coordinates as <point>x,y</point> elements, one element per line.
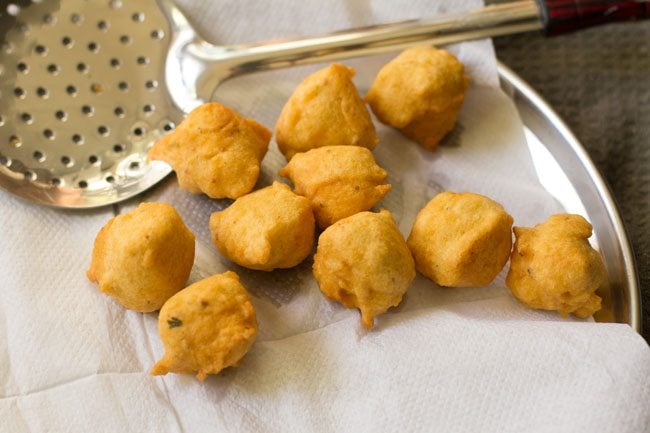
<point>87,86</point>
<point>81,99</point>
<point>568,174</point>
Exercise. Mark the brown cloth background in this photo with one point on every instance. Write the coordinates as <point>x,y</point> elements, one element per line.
<point>598,80</point>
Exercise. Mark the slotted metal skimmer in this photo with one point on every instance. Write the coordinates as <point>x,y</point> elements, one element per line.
<point>87,86</point>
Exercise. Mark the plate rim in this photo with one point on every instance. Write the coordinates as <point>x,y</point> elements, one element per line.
<point>518,87</point>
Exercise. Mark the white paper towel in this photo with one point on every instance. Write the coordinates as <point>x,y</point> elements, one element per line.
<point>445,360</point>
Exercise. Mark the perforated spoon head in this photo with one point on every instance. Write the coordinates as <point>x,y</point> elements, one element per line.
<point>83,96</point>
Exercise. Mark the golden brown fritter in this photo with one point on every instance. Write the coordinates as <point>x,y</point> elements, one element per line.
<point>215,151</point>
<point>363,262</point>
<point>206,327</point>
<point>264,230</point>
<point>553,267</point>
<point>325,110</point>
<point>143,257</point>
<point>339,181</point>
<point>461,240</point>
<point>420,92</point>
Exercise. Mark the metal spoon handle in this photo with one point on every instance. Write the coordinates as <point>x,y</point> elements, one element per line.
<point>494,20</point>
<point>217,63</point>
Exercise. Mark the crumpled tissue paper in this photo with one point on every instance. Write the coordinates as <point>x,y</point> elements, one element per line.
<point>452,360</point>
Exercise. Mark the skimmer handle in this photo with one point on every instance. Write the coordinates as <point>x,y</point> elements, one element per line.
<point>562,16</point>
<point>492,20</point>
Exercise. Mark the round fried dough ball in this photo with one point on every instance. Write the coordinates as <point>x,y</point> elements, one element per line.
<point>325,110</point>
<point>363,262</point>
<point>553,267</point>
<point>206,327</point>
<point>264,230</point>
<point>461,240</point>
<point>143,257</point>
<point>420,92</point>
<point>215,151</point>
<point>339,181</point>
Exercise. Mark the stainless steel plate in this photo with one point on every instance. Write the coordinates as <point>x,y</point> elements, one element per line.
<point>568,174</point>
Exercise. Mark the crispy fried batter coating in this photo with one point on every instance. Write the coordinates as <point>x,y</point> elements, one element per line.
<point>264,230</point>
<point>143,257</point>
<point>339,181</point>
<point>363,262</point>
<point>461,240</point>
<point>215,151</point>
<point>206,327</point>
<point>553,267</point>
<point>325,110</point>
<point>420,92</point>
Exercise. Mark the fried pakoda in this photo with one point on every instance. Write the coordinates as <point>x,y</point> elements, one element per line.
<point>264,230</point>
<point>461,240</point>
<point>420,92</point>
<point>339,181</point>
<point>215,151</point>
<point>553,267</point>
<point>325,110</point>
<point>143,257</point>
<point>363,262</point>
<point>206,327</point>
